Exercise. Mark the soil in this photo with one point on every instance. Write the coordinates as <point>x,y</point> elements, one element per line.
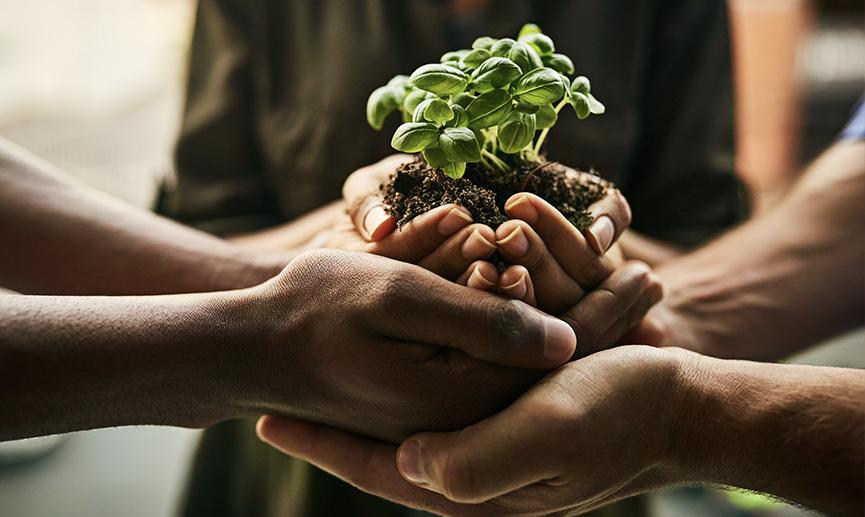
<point>416,188</point>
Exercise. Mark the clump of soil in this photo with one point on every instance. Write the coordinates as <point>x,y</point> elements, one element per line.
<point>416,188</point>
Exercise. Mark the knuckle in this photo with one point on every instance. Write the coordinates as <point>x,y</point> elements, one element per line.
<point>588,337</point>
<point>511,322</point>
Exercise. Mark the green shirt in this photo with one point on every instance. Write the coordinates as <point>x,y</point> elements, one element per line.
<point>275,120</point>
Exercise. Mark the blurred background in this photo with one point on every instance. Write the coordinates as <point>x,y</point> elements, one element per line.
<point>94,86</point>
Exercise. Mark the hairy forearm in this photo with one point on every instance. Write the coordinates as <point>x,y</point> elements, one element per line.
<point>61,237</point>
<point>783,281</point>
<point>73,363</point>
<point>797,432</point>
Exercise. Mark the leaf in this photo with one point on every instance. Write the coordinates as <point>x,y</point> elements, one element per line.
<point>489,109</point>
<point>474,58</point>
<point>538,87</point>
<point>417,115</point>
<point>454,170</point>
<point>437,111</point>
<point>435,157</point>
<point>502,47</point>
<point>484,42</point>
<point>453,56</point>
<point>495,72</point>
<point>525,57</point>
<point>559,62</point>
<point>595,105</point>
<point>516,132</point>
<point>381,103</point>
<point>413,137</point>
<point>581,84</point>
<point>546,116</point>
<point>414,98</point>
<point>463,99</point>
<point>542,43</point>
<point>440,79</point>
<point>522,107</point>
<point>459,145</point>
<point>461,119</point>
<point>529,28</point>
<point>580,103</point>
<point>399,81</point>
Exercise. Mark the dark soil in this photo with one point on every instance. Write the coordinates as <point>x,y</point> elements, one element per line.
<point>416,188</point>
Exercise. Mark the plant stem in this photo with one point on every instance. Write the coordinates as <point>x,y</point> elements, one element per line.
<point>495,159</point>
<point>543,136</point>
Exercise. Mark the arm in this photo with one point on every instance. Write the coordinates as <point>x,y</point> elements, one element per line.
<point>781,282</point>
<point>793,431</point>
<point>61,237</point>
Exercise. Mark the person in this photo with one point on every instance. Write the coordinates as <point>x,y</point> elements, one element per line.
<point>274,122</point>
<point>636,418</point>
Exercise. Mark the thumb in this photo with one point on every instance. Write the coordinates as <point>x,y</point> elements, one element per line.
<point>365,205</point>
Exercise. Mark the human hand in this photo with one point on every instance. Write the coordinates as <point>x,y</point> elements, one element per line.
<point>567,446</point>
<point>350,335</point>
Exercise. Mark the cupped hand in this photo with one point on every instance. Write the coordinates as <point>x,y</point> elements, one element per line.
<point>387,348</point>
<point>592,432</point>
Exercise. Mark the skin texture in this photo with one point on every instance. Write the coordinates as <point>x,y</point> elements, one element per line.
<point>797,432</point>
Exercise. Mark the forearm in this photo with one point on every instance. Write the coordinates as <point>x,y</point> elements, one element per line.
<point>74,363</point>
<point>298,234</point>
<point>781,282</point>
<point>796,432</point>
<point>61,237</point>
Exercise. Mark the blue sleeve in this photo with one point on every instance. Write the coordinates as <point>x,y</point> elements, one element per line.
<point>855,129</point>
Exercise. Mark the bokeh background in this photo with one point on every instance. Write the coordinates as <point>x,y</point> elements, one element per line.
<point>94,86</point>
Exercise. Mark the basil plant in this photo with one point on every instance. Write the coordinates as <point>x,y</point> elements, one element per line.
<point>480,104</point>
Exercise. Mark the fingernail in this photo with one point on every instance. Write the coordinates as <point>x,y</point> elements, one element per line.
<point>602,232</point>
<point>517,289</point>
<point>477,246</point>
<point>560,341</point>
<point>454,220</point>
<point>516,243</point>
<point>477,280</point>
<point>410,463</point>
<point>522,208</point>
<point>374,219</point>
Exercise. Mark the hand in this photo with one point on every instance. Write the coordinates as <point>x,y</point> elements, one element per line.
<point>443,240</point>
<point>385,348</point>
<point>592,432</point>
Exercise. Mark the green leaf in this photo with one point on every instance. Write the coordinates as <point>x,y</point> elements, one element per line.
<point>414,98</point>
<point>489,109</point>
<point>502,47</point>
<point>381,103</point>
<point>538,87</point>
<point>474,58</point>
<point>559,62</point>
<point>440,79</point>
<point>516,132</point>
<point>495,72</point>
<point>540,42</point>
<point>580,103</point>
<point>566,84</point>
<point>545,117</point>
<point>417,114</point>
<point>459,145</point>
<point>529,28</point>
<point>581,84</point>
<point>454,170</point>
<point>453,56</point>
<point>522,107</point>
<point>435,157</point>
<point>413,137</point>
<point>525,57</point>
<point>479,135</point>
<point>595,105</point>
<point>463,99</point>
<point>437,111</point>
<point>399,81</point>
<point>461,119</point>
<point>484,42</point>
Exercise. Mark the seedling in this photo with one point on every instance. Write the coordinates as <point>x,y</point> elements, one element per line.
<point>495,101</point>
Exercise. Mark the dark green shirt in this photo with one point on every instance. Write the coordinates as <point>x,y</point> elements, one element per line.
<point>275,120</point>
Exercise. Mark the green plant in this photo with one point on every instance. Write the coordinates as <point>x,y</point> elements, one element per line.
<point>500,98</point>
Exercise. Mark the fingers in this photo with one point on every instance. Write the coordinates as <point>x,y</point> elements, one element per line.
<point>367,464</point>
<point>421,307</point>
<point>503,453</point>
<point>480,275</point>
<point>423,234</point>
<point>361,194</point>
<point>569,247</point>
<point>605,314</point>
<point>516,283</point>
<point>520,244</point>
<point>612,215</point>
<point>471,243</point>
